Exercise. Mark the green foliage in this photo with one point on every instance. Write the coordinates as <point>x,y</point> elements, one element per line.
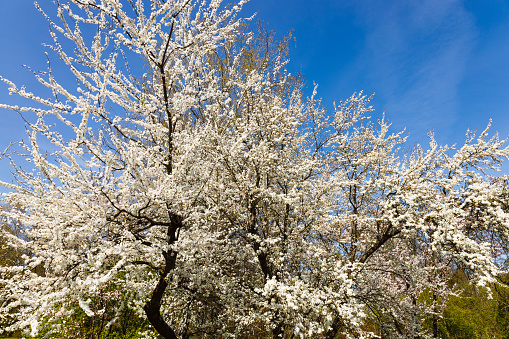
<point>475,313</point>
<point>112,319</point>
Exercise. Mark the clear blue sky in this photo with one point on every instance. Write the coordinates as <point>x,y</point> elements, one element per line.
<point>432,64</point>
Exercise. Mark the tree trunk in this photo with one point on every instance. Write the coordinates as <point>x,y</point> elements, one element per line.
<point>333,331</point>
<point>435,317</point>
<point>153,306</point>
<point>278,332</point>
<point>152,310</point>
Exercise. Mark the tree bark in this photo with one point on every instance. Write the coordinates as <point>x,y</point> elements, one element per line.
<point>435,317</point>
<point>334,329</point>
<point>278,331</point>
<point>153,306</point>
<point>153,311</point>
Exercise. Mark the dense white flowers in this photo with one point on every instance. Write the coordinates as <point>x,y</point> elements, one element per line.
<point>191,171</point>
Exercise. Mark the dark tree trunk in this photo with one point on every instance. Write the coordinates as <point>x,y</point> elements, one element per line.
<point>435,319</point>
<point>278,332</point>
<point>333,331</point>
<point>153,306</point>
<point>153,311</point>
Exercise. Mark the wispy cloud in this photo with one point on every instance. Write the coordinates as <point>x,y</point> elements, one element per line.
<point>416,52</point>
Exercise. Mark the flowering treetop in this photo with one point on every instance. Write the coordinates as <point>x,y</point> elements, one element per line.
<point>199,178</point>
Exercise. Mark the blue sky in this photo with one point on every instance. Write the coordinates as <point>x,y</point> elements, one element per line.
<point>432,64</point>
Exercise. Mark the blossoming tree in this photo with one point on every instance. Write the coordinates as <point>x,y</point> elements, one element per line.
<point>197,176</point>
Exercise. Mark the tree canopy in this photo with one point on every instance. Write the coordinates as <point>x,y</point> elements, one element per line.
<point>188,170</point>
